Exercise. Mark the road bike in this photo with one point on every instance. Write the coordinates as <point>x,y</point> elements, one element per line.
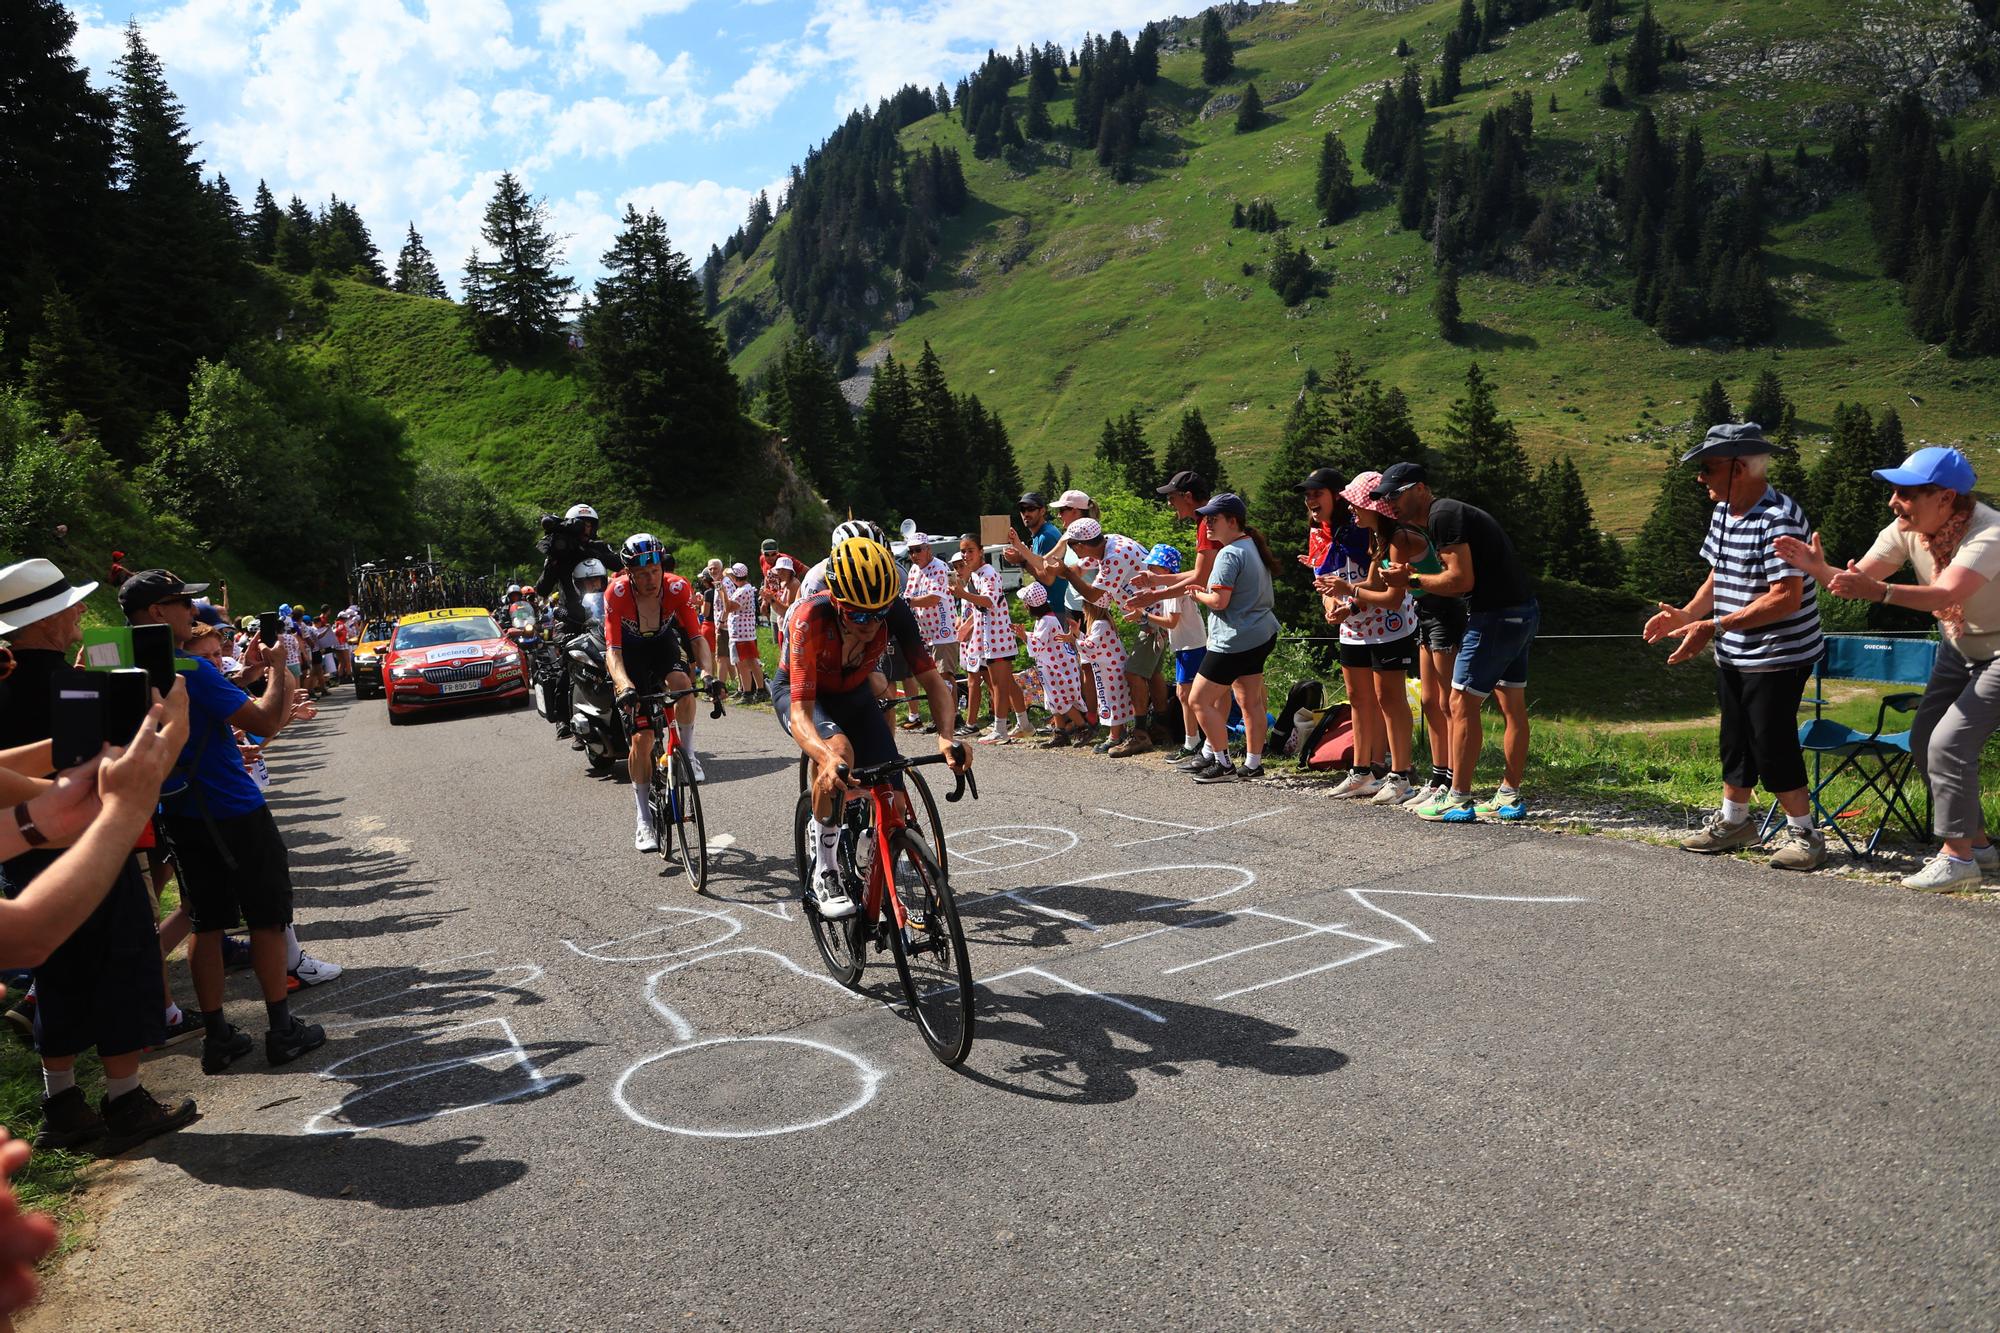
<point>905,903</point>
<point>676,794</point>
<point>918,792</point>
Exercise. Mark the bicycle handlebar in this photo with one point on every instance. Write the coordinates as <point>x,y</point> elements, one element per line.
<point>873,775</point>
<point>665,697</point>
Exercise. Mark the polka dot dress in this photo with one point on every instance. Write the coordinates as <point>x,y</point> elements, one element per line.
<point>1105,653</point>
<point>1055,660</point>
<point>993,633</point>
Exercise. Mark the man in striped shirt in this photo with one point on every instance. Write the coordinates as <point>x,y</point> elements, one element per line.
<point>1762,615</point>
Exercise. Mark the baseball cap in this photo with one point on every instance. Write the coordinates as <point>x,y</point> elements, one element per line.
<point>1322,479</point>
<point>1166,557</point>
<point>1083,530</point>
<point>1032,500</point>
<point>784,562</point>
<point>1225,503</point>
<point>1933,466</point>
<point>740,570</point>
<point>1183,482</point>
<point>1072,500</point>
<point>770,544</point>
<point>1397,478</point>
<point>149,587</point>
<point>1034,594</point>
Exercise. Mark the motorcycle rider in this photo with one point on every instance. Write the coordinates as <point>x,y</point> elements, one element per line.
<point>650,626</point>
<point>567,542</point>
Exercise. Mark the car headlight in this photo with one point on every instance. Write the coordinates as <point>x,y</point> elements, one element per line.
<point>406,673</point>
<point>367,659</point>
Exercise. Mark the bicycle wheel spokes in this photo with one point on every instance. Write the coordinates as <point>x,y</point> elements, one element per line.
<point>930,950</point>
<point>663,810</point>
<point>689,831</point>
<point>839,942</point>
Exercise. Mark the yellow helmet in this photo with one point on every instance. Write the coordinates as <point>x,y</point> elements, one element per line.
<point>862,574</point>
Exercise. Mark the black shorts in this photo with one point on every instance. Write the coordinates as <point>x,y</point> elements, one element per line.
<point>1759,735</point>
<point>854,714</point>
<point>101,987</point>
<point>1441,623</point>
<point>650,661</point>
<point>1395,655</point>
<point>1228,668</point>
<point>246,876</point>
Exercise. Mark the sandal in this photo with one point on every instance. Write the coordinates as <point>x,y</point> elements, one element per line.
<point>910,724</point>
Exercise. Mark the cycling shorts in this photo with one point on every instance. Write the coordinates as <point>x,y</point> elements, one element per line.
<point>850,713</point>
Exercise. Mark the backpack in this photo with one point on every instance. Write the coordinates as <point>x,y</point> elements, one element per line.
<point>1330,743</point>
<point>1308,696</point>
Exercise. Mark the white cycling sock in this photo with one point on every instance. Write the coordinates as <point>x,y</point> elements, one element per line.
<point>292,950</point>
<point>687,733</point>
<point>826,843</point>
<point>642,799</point>
<point>1192,741</point>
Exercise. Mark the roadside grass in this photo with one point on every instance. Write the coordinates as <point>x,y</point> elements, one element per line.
<point>1063,298</point>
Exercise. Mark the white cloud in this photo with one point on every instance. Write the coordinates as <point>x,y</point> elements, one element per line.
<point>758,92</point>
<point>599,36</point>
<point>516,110</point>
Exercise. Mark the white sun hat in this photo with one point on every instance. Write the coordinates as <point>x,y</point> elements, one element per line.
<point>34,590</point>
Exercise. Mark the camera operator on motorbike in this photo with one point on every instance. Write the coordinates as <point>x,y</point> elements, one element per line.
<point>650,626</point>
<point>567,542</point>
<point>834,641</point>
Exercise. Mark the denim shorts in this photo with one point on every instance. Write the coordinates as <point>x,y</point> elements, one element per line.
<point>1494,653</point>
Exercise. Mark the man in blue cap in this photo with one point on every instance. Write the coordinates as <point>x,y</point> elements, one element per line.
<point>1762,616</point>
<point>1953,543</point>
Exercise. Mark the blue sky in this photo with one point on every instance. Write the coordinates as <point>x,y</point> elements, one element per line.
<point>410,109</point>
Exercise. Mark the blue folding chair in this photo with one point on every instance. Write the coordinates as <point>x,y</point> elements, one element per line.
<point>1879,762</point>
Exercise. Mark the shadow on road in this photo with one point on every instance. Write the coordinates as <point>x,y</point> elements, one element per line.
<point>360,1168</point>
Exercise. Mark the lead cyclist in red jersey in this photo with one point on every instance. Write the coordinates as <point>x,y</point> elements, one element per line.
<point>650,625</point>
<point>833,642</point>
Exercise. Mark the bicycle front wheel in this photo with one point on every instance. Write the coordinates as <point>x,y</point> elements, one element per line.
<point>689,831</point>
<point>923,806</point>
<point>839,942</point>
<point>930,950</point>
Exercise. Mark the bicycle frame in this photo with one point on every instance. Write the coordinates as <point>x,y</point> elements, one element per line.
<point>888,820</point>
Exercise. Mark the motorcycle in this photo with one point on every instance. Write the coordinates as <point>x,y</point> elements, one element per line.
<point>594,713</point>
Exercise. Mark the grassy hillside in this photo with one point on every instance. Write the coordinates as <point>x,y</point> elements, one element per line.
<point>524,426</point>
<point>1064,297</point>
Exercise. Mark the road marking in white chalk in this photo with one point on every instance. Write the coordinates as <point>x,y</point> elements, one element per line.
<point>722,842</point>
<point>1183,830</point>
<point>867,1077</point>
<point>597,952</point>
<point>511,1055</point>
<point>1361,896</point>
<point>1054,842</point>
<point>1378,946</point>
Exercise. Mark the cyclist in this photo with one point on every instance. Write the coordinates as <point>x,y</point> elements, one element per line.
<point>649,628</point>
<point>825,702</point>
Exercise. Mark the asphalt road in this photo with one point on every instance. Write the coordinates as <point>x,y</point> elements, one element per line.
<point>1274,1062</point>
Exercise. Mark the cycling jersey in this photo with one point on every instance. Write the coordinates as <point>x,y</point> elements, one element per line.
<point>621,613</point>
<point>815,661</point>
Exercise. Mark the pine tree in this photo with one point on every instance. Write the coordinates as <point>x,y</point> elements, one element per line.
<point>1448,84</point>
<point>935,448</point>
<point>1192,449</point>
<point>1787,471</point>
<point>1413,196</point>
<point>1146,55</point>
<point>1712,408</point>
<point>416,271</point>
<point>1846,501</point>
<point>1645,55</point>
<point>1490,24</point>
<point>67,371</point>
<point>1766,404</point>
<point>1483,463</point>
<point>1218,59</point>
<point>1599,21</point>
<point>264,219</point>
<point>517,299</point>
<point>1333,190</point>
<point>1666,564</point>
<point>804,402</point>
<point>1049,489</point>
<point>1250,111</point>
<point>653,367</point>
<point>1574,549</point>
<point>1039,126</point>
<point>292,242</point>
<point>1609,94</point>
<point>1444,304</point>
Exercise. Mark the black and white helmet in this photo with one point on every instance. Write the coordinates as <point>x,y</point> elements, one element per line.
<point>859,527</point>
<point>581,511</point>
<point>592,568</point>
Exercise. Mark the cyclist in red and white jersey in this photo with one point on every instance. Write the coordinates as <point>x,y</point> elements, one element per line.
<point>834,641</point>
<point>650,627</point>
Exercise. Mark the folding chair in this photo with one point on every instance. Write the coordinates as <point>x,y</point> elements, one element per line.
<point>1879,762</point>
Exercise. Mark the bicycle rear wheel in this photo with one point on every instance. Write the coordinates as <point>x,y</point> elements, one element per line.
<point>840,944</point>
<point>689,830</point>
<point>930,953</point>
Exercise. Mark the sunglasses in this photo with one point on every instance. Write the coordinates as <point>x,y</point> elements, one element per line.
<point>642,558</point>
<point>855,617</point>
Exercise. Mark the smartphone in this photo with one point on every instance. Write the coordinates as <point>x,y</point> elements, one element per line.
<point>269,627</point>
<point>76,717</point>
<point>153,653</point>
<point>128,695</point>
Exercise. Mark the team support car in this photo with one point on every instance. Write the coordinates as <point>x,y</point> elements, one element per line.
<point>368,650</point>
<point>438,658</point>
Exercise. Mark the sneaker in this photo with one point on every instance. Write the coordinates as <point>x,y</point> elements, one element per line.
<point>1192,761</point>
<point>564,731</point>
<point>1395,790</point>
<point>832,899</point>
<point>1449,809</point>
<point>313,971</point>
<point>1423,796</point>
<point>1987,858</point>
<point>1103,747</point>
<point>1941,874</point>
<point>1510,806</point>
<point>217,1056</point>
<point>1060,741</point>
<point>1182,753</point>
<point>1804,849</point>
<point>1249,772</point>
<point>22,1018</point>
<point>281,1048</point>
<point>997,736</point>
<point>643,837</point>
<point>137,1116</point>
<point>1137,743</point>
<point>1216,773</point>
<point>1717,834</point>
<point>1359,782</point>
<point>68,1121</point>
<point>190,1025</point>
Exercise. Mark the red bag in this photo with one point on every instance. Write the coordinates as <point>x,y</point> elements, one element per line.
<point>1330,744</point>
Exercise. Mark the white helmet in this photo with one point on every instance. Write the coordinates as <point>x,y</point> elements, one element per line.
<point>513,588</point>
<point>581,511</point>
<point>592,568</point>
<point>859,527</point>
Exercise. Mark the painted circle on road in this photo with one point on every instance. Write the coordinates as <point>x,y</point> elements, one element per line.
<point>995,847</point>
<point>811,1076</point>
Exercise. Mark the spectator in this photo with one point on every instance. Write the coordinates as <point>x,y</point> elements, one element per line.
<point>743,636</point>
<point>1479,565</point>
<point>1763,617</point>
<point>1378,645</point>
<point>1242,631</point>
<point>1187,642</point>
<point>781,589</point>
<point>1051,649</point>
<point>927,589</point>
<point>1952,541</point>
<point>993,642</point>
<point>965,621</point>
<point>1042,538</point>
<point>1185,492</point>
<point>99,988</point>
<point>1101,647</point>
<point>233,861</point>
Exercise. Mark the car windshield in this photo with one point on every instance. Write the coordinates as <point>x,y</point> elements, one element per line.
<point>378,629</point>
<point>436,633</point>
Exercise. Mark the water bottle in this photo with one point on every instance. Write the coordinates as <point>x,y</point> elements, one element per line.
<point>864,858</point>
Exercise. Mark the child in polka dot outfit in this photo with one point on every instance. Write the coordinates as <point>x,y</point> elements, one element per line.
<point>1055,662</point>
<point>1102,649</point>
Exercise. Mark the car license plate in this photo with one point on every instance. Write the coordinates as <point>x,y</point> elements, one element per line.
<point>459,686</point>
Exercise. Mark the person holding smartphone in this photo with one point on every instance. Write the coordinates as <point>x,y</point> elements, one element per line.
<point>234,865</point>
